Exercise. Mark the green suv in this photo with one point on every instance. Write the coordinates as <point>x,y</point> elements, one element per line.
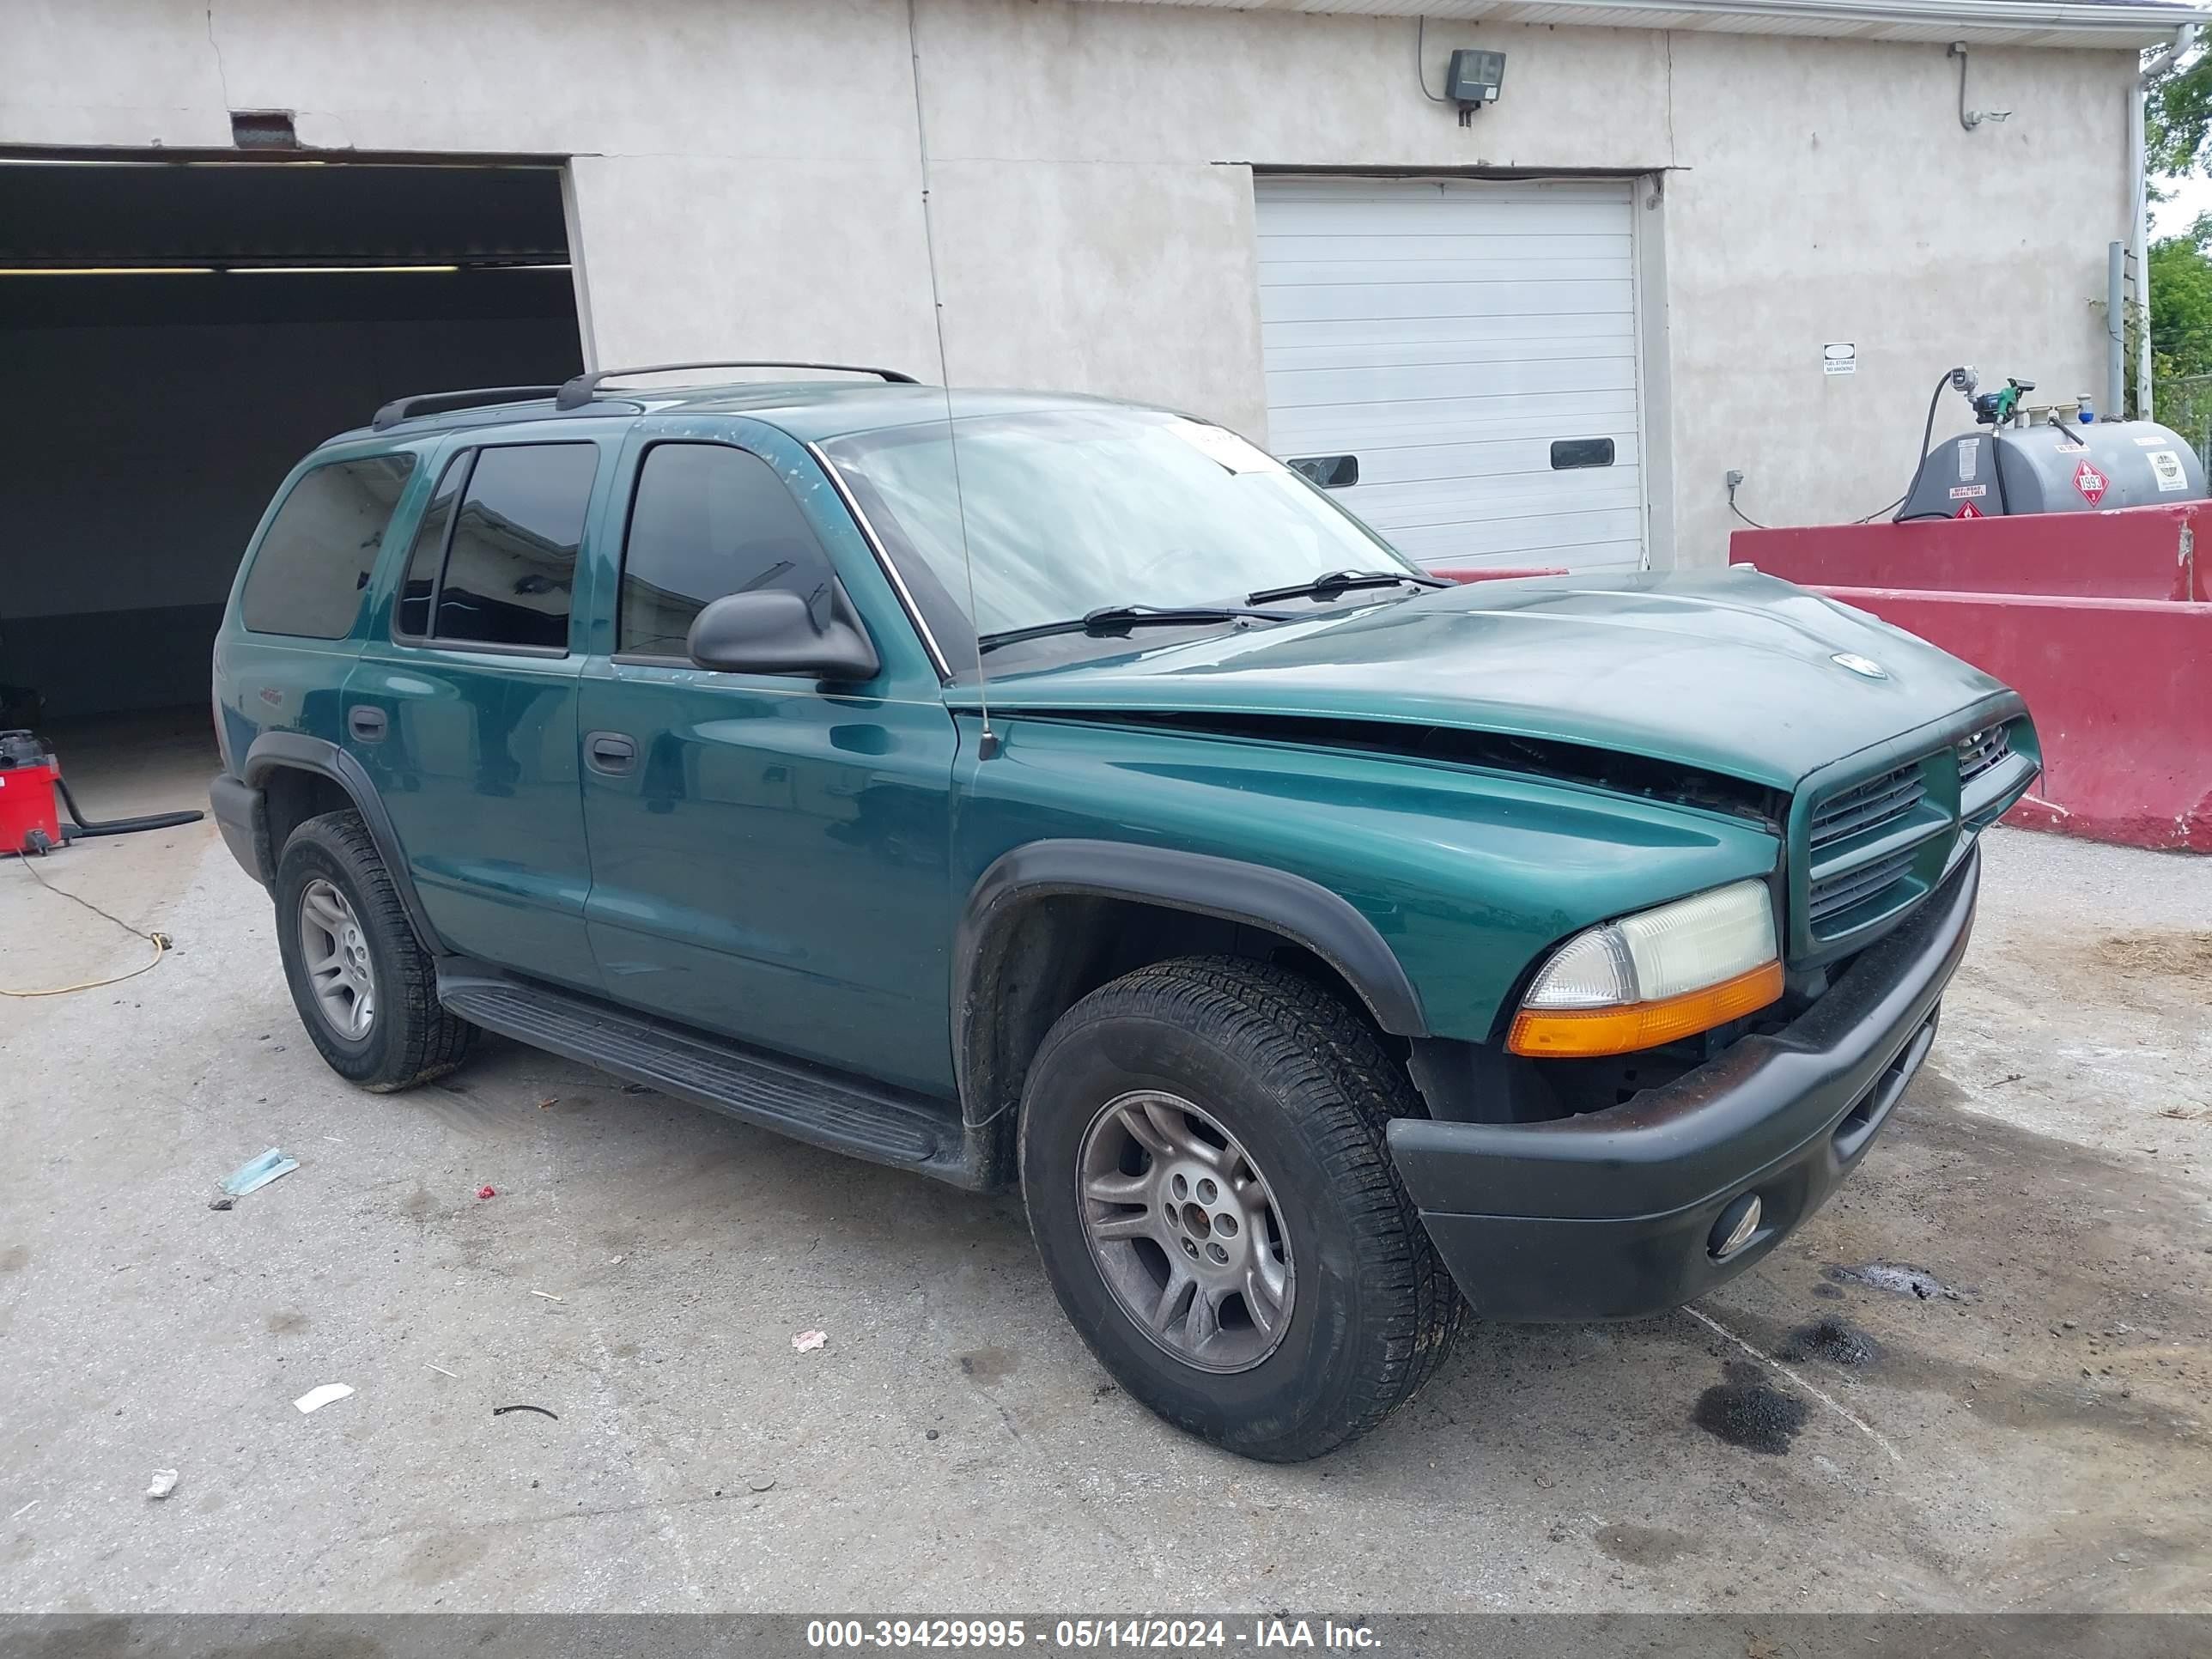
<point>1067,794</point>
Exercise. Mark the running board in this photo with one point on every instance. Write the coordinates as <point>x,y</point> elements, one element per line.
<point>807,1103</point>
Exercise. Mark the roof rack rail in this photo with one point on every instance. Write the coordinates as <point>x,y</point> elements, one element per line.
<point>585,387</point>
<point>437,403</point>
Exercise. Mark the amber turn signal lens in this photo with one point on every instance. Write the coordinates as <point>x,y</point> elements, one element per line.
<point>1587,1033</point>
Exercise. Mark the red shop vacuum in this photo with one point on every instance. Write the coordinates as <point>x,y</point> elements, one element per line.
<point>32,796</point>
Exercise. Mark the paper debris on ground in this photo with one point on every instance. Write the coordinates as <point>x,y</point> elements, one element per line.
<point>163,1483</point>
<point>321,1395</point>
<point>256,1173</point>
<point>808,1342</point>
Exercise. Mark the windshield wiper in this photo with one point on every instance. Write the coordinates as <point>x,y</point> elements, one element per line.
<point>1329,584</point>
<point>1117,619</point>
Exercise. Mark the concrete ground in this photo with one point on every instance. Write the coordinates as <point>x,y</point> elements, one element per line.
<point>2018,1422</point>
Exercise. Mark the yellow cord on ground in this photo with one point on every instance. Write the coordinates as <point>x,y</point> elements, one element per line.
<point>161,943</point>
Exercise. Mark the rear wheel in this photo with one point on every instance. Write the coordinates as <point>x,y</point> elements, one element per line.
<point>1203,1162</point>
<point>365,989</point>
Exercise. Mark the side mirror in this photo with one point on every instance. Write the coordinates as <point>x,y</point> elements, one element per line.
<point>772,631</point>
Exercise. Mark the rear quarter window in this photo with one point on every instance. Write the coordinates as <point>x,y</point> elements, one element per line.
<point>314,563</point>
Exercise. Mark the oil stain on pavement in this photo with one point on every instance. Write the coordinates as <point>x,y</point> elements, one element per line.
<point>1644,1546</point>
<point>988,1364</point>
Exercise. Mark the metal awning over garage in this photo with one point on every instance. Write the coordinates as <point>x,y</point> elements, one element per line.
<point>2115,24</point>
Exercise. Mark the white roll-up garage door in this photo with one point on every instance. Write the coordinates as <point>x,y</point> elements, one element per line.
<point>1471,345</point>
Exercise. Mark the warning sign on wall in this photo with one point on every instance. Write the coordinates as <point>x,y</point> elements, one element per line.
<point>2092,483</point>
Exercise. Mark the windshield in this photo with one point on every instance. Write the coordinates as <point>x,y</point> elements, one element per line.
<point>1069,510</point>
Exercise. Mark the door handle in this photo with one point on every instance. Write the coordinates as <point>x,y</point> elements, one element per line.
<point>367,723</point>
<point>609,752</point>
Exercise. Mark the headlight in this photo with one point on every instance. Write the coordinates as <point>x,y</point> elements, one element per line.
<point>1654,977</point>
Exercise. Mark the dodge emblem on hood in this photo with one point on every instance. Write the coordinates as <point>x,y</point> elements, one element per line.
<point>1866,668</point>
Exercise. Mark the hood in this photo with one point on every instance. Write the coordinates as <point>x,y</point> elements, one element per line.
<point>1728,671</point>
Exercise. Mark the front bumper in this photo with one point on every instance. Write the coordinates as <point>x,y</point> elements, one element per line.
<point>1609,1215</point>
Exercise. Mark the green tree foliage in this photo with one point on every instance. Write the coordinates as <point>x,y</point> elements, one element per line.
<point>2181,303</point>
<point>2178,138</point>
<point>2178,117</point>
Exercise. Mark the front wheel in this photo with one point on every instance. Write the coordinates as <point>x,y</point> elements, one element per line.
<point>1203,1163</point>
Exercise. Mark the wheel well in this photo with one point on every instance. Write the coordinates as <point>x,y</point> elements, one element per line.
<point>290,795</point>
<point>1046,954</point>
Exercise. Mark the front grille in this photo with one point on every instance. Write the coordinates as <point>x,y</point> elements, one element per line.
<point>1980,750</point>
<point>1829,898</point>
<point>1843,891</point>
<point>1873,804</point>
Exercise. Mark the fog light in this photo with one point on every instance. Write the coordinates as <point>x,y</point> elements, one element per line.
<point>1734,1229</point>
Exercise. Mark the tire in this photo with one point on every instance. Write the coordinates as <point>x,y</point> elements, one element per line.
<point>1297,1090</point>
<point>405,1035</point>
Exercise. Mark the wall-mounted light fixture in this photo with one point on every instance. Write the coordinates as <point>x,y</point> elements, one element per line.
<point>1473,79</point>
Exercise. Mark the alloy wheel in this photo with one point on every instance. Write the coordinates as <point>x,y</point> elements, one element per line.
<point>1185,1231</point>
<point>335,951</point>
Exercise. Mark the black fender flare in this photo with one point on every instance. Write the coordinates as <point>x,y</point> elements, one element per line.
<point>297,751</point>
<point>1301,911</point>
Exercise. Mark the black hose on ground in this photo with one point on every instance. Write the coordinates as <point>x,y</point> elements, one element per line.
<point>84,826</point>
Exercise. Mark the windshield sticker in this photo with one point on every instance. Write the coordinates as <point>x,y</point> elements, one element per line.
<point>2166,467</point>
<point>1226,448</point>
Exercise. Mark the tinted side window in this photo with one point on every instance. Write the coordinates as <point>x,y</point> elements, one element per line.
<point>708,520</point>
<point>308,578</point>
<point>513,560</point>
<point>421,581</point>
